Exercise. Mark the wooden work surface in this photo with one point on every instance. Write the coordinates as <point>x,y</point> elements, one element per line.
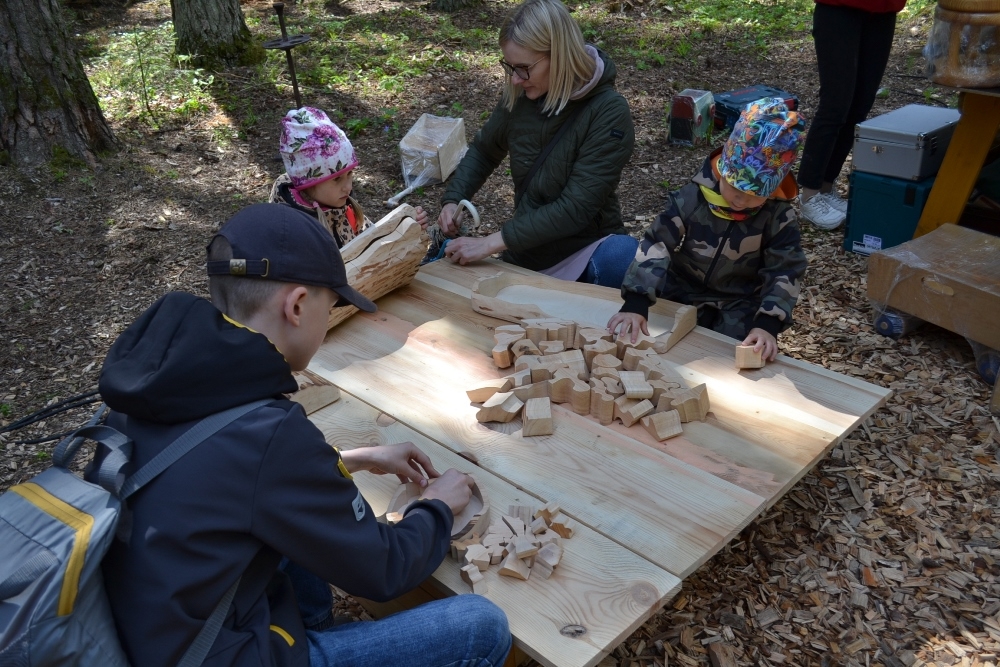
<point>649,513</point>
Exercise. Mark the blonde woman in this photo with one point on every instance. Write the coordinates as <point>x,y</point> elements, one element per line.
<point>567,220</point>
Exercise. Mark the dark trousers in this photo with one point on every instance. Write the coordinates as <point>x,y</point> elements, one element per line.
<point>852,50</point>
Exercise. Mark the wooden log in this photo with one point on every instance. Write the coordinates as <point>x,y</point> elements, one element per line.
<point>537,417</point>
<point>663,425</point>
<point>314,393</point>
<point>485,389</point>
<point>502,407</point>
<point>385,262</point>
<point>635,385</point>
<point>747,357</point>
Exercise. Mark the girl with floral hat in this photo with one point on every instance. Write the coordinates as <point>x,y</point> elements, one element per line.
<point>319,174</point>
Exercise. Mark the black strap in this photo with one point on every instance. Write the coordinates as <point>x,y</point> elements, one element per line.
<point>522,187</point>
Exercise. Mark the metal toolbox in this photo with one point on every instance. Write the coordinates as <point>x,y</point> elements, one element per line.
<point>909,142</point>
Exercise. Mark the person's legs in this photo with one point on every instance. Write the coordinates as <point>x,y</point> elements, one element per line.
<point>461,631</point>
<point>312,594</point>
<point>836,32</point>
<point>609,263</point>
<point>875,44</point>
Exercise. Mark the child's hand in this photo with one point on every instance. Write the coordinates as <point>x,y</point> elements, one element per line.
<point>446,221</point>
<point>763,342</point>
<point>421,217</point>
<point>404,460</point>
<point>453,488</point>
<point>630,322</point>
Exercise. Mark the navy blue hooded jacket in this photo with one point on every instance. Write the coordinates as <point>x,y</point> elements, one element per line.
<point>266,486</point>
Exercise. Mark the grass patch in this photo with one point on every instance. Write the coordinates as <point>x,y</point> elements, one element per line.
<point>135,77</point>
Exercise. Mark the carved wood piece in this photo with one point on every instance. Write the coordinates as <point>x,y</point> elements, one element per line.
<point>663,425</point>
<point>485,389</point>
<point>537,417</point>
<point>501,407</point>
<point>485,301</point>
<point>315,392</point>
<point>692,404</point>
<point>630,410</point>
<point>746,357</point>
<point>635,385</point>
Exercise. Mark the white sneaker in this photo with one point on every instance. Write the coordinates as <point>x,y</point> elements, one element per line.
<point>820,212</point>
<point>836,202</point>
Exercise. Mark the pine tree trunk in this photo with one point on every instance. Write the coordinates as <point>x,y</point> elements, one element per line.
<point>46,102</point>
<point>214,33</point>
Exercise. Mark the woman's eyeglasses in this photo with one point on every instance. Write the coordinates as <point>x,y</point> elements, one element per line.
<point>522,71</point>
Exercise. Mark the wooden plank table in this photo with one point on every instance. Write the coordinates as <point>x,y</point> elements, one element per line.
<point>650,513</point>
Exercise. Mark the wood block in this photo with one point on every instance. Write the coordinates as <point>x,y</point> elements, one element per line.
<point>537,417</point>
<point>660,386</point>
<point>478,555</point>
<point>484,390</point>
<point>597,347</point>
<point>720,654</point>
<point>635,385</point>
<point>516,526</point>
<point>588,335</point>
<point>692,404</point>
<point>509,329</point>
<point>523,347</point>
<point>539,525</point>
<point>480,587</point>
<point>602,406</point>
<point>605,372</point>
<point>501,529</point>
<point>631,410</point>
<point>513,566</point>
<point>614,386</point>
<point>549,536</point>
<point>573,359</point>
<point>663,425</point>
<point>564,388</point>
<point>535,330</point>
<point>541,569</point>
<point>550,553</point>
<point>497,554</point>
<point>562,525</point>
<point>656,368</point>
<point>632,357</point>
<point>522,512</point>
<point>519,379</point>
<point>471,574</point>
<point>524,547</point>
<point>314,393</point>
<point>527,362</point>
<point>685,320</point>
<point>502,354</point>
<point>461,545</point>
<point>502,407</point>
<point>529,391</point>
<point>606,361</point>
<point>551,347</point>
<point>746,357</point>
<point>547,511</point>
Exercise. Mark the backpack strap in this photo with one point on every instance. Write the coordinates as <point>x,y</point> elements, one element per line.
<point>191,438</point>
<point>202,644</point>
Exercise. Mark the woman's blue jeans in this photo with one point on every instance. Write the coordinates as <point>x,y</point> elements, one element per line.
<point>609,263</point>
<point>461,631</point>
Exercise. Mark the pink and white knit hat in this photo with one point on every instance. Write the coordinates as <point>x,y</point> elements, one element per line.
<point>313,148</point>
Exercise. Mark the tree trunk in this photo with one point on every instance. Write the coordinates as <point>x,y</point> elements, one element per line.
<point>46,102</point>
<point>214,33</point>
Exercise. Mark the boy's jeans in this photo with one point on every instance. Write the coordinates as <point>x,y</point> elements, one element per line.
<point>460,631</point>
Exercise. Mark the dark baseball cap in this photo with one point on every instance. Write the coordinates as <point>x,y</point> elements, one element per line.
<point>278,242</point>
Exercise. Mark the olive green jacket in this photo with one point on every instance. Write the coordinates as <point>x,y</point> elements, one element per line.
<point>572,199</point>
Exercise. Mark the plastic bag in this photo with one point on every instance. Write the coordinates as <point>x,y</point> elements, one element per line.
<point>432,149</point>
<point>963,49</point>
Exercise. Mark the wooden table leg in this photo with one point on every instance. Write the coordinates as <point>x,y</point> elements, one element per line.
<point>962,163</point>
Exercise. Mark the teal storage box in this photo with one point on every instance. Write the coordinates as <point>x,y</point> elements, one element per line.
<point>883,211</point>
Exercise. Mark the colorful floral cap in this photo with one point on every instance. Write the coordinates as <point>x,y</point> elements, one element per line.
<point>760,151</point>
<point>313,148</point>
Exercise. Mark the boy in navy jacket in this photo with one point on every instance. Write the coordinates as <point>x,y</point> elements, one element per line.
<point>266,500</point>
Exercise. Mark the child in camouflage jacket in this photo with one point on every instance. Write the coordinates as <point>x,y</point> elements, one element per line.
<point>728,241</point>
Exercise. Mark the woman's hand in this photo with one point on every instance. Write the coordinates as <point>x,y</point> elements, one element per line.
<point>453,488</point>
<point>629,322</point>
<point>446,221</point>
<point>404,460</point>
<point>762,340</point>
<point>421,217</point>
<point>467,249</point>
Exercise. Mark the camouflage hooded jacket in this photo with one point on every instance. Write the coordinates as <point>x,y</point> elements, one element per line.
<point>715,259</point>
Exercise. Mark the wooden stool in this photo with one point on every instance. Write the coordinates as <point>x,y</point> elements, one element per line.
<point>972,56</point>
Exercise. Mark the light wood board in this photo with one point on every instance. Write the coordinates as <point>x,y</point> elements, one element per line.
<point>674,503</point>
<point>608,590</point>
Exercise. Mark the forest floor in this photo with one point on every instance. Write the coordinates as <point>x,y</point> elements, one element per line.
<point>885,554</point>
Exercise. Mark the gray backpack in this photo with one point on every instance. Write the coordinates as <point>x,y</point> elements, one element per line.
<point>54,531</point>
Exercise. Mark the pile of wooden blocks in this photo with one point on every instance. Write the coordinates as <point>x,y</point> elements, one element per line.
<point>559,361</point>
<point>522,542</point>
